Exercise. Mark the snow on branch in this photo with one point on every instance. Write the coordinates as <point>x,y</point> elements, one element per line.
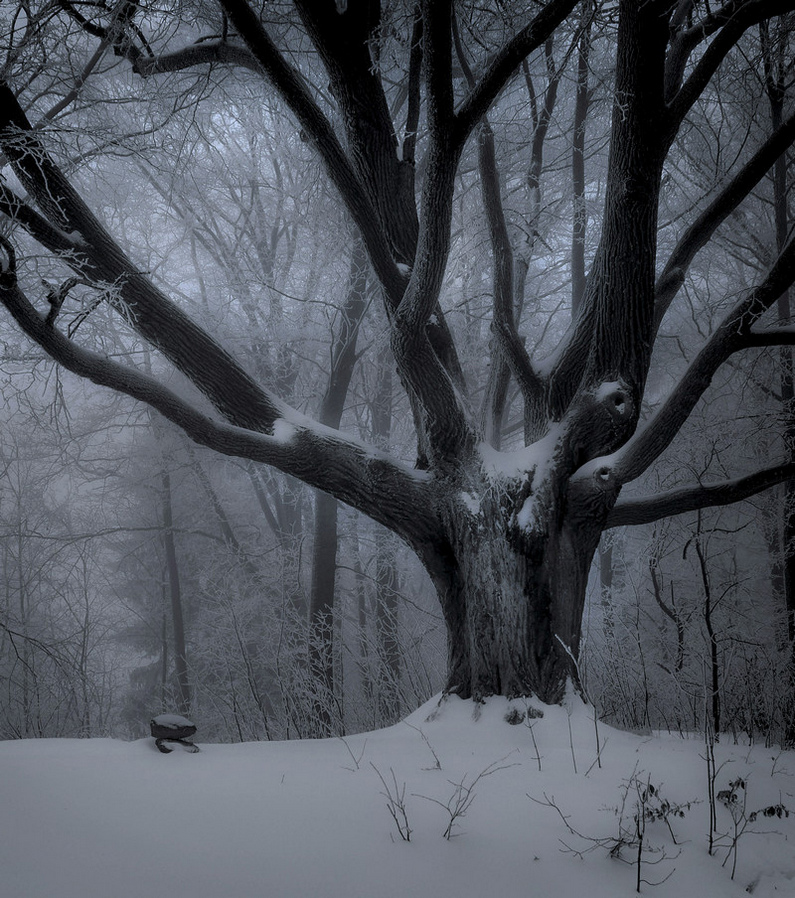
<point>362,476</point>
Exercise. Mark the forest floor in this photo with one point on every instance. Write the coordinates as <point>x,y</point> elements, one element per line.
<point>103,818</point>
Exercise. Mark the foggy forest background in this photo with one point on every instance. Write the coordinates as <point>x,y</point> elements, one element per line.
<point>129,554</point>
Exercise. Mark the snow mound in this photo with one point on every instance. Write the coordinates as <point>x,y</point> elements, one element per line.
<point>510,783</point>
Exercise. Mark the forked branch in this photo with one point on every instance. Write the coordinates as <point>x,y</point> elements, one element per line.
<point>293,91</point>
<point>734,334</point>
<point>726,26</point>
<point>506,61</point>
<point>509,347</point>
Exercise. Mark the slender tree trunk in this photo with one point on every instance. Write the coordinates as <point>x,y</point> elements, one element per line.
<point>775,47</point>
<point>284,516</point>
<point>714,660</point>
<point>580,215</point>
<point>389,655</point>
<point>671,612</point>
<point>175,595</point>
<point>606,578</point>
<point>362,615</point>
<point>164,650</point>
<point>85,713</point>
<point>386,616</point>
<point>25,653</point>
<point>776,76</point>
<point>784,309</point>
<point>321,609</point>
<point>325,541</point>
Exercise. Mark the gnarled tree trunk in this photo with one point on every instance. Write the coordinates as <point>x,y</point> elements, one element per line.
<point>514,607</point>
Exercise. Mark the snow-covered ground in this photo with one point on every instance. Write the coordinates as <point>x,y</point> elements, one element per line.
<point>108,819</point>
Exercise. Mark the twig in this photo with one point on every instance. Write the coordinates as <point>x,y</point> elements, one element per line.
<point>438,764</point>
<point>354,758</point>
<point>396,803</point>
<point>463,795</point>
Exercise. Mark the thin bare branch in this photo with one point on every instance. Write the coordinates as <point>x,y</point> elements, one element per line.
<point>316,126</point>
<point>505,63</point>
<point>728,24</point>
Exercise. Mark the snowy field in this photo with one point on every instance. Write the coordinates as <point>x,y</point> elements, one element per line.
<point>110,819</point>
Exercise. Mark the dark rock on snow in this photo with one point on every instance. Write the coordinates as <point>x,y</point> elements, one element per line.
<point>172,728</point>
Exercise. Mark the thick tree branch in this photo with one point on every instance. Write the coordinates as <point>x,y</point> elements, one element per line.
<point>708,495</point>
<point>718,210</point>
<point>504,324</point>
<point>54,238</point>
<point>389,229</point>
<point>360,475</point>
<point>347,38</point>
<point>444,430</point>
<point>261,55</point>
<point>611,338</point>
<point>433,245</point>
<point>414,81</point>
<point>686,37</point>
<point>74,233</point>
<point>509,346</point>
<point>730,22</point>
<point>206,53</point>
<point>291,87</point>
<point>772,336</point>
<point>732,335</point>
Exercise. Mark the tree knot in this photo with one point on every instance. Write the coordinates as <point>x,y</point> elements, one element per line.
<point>616,398</point>
<point>604,479</point>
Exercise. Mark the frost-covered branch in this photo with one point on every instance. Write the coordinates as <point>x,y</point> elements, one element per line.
<point>67,227</point>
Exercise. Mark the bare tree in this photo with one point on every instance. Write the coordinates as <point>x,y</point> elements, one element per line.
<point>507,537</point>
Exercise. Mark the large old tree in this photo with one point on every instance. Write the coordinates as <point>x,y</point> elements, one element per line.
<point>507,537</point>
